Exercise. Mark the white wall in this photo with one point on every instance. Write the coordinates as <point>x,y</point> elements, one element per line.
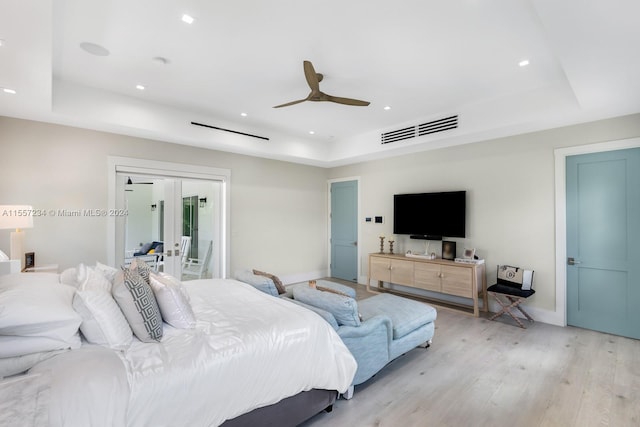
<point>510,195</point>
<point>277,208</point>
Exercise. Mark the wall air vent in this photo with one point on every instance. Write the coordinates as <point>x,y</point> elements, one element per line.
<point>423,129</point>
<point>438,125</point>
<point>399,135</point>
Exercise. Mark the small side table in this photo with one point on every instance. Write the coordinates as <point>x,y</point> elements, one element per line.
<point>50,268</point>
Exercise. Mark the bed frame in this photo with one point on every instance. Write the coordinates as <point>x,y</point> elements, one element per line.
<point>288,412</point>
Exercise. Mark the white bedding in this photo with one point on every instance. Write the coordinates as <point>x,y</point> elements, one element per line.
<point>248,350</point>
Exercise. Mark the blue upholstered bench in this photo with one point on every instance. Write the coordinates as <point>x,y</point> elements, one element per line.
<point>376,329</point>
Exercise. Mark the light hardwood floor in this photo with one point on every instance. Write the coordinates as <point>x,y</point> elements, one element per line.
<point>491,373</point>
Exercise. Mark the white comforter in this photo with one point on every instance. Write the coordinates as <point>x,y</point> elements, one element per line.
<point>248,350</point>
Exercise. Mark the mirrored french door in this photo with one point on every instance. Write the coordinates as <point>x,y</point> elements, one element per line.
<point>177,224</point>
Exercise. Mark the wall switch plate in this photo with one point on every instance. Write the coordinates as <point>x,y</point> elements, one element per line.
<point>379,220</point>
<point>367,219</point>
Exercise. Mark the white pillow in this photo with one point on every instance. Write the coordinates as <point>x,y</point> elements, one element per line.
<point>102,321</point>
<point>107,271</point>
<point>69,277</point>
<point>92,279</point>
<point>19,364</point>
<point>39,308</point>
<point>173,300</point>
<point>136,300</point>
<point>14,346</point>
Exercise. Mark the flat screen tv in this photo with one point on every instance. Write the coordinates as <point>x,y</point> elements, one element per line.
<point>430,216</point>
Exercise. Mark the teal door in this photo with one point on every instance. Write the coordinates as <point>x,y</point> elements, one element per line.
<point>603,235</point>
<point>344,230</point>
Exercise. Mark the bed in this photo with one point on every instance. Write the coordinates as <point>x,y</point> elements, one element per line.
<point>248,357</point>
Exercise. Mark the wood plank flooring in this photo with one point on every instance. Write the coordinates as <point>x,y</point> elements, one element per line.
<point>491,373</point>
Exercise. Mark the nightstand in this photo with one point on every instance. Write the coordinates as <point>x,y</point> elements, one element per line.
<point>51,268</point>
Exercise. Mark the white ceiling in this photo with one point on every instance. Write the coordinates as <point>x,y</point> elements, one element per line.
<point>426,59</point>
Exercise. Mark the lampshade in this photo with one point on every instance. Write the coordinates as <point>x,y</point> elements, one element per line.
<point>16,216</point>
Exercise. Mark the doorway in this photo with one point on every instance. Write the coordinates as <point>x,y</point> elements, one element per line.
<point>344,230</point>
<point>560,315</point>
<point>603,228</point>
<point>166,192</point>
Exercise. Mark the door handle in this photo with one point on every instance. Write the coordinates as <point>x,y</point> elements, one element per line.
<point>572,261</point>
<point>355,243</point>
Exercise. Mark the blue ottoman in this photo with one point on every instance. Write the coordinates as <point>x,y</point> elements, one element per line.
<point>412,321</point>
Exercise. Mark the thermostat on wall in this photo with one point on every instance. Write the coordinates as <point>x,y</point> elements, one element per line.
<point>379,220</point>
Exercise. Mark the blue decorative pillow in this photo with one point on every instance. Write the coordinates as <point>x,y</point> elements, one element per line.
<point>344,309</point>
<point>262,283</point>
<point>144,249</point>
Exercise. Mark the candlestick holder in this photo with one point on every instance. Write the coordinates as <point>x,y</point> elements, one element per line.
<point>381,244</point>
<point>391,246</point>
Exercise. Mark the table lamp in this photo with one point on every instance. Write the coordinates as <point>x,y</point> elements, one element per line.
<point>16,217</point>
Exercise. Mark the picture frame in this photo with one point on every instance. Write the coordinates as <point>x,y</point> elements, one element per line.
<point>29,260</point>
<point>469,253</point>
<point>448,250</point>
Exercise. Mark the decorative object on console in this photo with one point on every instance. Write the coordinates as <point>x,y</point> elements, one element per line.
<point>448,250</point>
<point>16,217</point>
<point>381,243</point>
<point>469,253</point>
<point>391,244</point>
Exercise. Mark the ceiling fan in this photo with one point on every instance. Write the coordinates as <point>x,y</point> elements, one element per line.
<point>314,79</point>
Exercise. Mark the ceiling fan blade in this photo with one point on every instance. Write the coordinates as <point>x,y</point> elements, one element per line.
<point>311,76</point>
<point>291,103</point>
<point>346,101</point>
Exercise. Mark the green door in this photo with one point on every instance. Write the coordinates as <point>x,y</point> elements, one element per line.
<point>603,231</point>
<point>344,230</point>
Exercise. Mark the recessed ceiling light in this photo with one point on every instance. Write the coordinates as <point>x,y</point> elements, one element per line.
<point>187,18</point>
<point>139,87</point>
<point>387,108</point>
<point>7,90</point>
<point>94,49</point>
<point>243,114</point>
<point>311,132</point>
<point>1,42</point>
<point>523,63</point>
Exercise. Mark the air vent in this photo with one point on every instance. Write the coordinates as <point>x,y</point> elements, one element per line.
<point>399,135</point>
<point>438,126</point>
<point>428,128</point>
